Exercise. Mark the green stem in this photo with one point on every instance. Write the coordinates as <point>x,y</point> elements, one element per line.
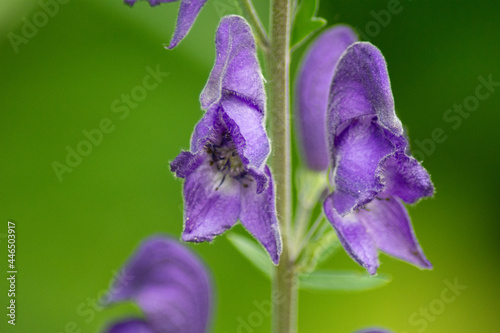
<point>285,291</point>
<point>302,218</point>
<point>260,33</point>
<point>309,235</point>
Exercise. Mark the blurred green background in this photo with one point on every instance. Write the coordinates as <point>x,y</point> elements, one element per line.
<point>72,235</point>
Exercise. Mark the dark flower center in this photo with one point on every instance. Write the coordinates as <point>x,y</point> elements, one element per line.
<point>225,157</point>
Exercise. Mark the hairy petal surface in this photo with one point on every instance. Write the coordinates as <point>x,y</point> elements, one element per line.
<point>210,208</point>
<point>247,130</point>
<point>236,70</point>
<point>209,128</point>
<point>354,237</point>
<point>188,12</point>
<point>170,285</point>
<point>258,216</point>
<point>383,224</point>
<point>185,163</point>
<point>389,224</point>
<point>361,147</point>
<point>361,87</point>
<point>406,178</point>
<point>312,89</point>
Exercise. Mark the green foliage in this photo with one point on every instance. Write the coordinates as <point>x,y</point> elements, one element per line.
<point>305,21</point>
<point>318,250</point>
<point>329,280</point>
<point>310,184</point>
<point>253,252</point>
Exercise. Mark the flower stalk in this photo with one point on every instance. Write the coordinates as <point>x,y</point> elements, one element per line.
<point>253,18</point>
<point>285,291</point>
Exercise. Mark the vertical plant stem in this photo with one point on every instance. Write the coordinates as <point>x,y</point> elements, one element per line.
<point>251,14</point>
<point>285,280</point>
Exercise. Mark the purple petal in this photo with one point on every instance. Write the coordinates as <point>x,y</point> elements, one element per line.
<point>354,236</point>
<point>171,299</point>
<point>361,146</point>
<point>261,179</point>
<point>383,224</point>
<point>371,159</point>
<point>312,90</point>
<point>390,227</point>
<point>169,283</point>
<point>247,131</point>
<point>258,216</point>
<point>406,178</point>
<point>151,2</point>
<point>185,163</point>
<point>188,12</point>
<point>130,326</point>
<point>209,128</point>
<point>211,203</point>
<point>236,71</point>
<point>361,87</point>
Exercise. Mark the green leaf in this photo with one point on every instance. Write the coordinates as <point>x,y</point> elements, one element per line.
<point>310,184</point>
<point>253,252</point>
<point>318,250</point>
<point>305,21</point>
<point>328,280</point>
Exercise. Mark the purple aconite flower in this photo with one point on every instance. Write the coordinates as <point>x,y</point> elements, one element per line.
<point>373,169</point>
<point>312,89</point>
<point>170,285</point>
<point>226,177</point>
<point>188,12</point>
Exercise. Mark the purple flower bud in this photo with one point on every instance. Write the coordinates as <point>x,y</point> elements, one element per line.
<point>311,90</point>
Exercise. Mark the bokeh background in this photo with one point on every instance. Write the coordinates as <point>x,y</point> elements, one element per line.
<point>72,235</point>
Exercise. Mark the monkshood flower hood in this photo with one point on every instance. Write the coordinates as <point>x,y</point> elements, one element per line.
<point>170,285</point>
<point>225,171</point>
<point>188,11</point>
<point>373,171</point>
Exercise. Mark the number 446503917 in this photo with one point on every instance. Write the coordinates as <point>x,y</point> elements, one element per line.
<point>12,244</point>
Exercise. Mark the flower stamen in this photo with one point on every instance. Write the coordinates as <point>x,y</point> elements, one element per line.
<point>225,157</point>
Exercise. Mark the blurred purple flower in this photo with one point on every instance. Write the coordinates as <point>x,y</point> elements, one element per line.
<point>170,285</point>
<point>373,169</point>
<point>225,170</point>
<point>373,330</point>
<point>311,90</point>
<point>188,12</point>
